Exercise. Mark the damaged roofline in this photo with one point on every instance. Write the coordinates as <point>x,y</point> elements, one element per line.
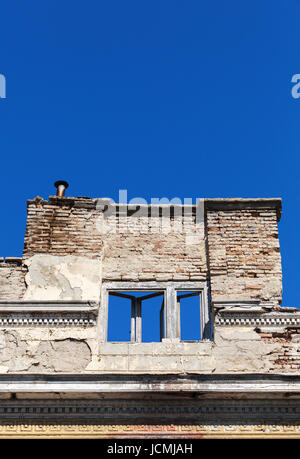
<point>225,204</point>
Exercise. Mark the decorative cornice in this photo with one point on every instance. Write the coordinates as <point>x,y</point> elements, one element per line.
<point>202,429</point>
<point>256,319</point>
<point>149,419</point>
<point>48,313</point>
<point>47,320</point>
<point>121,409</point>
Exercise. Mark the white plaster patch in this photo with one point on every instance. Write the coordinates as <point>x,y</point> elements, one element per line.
<point>68,277</point>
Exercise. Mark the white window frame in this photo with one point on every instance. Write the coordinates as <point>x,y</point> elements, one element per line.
<point>171,306</point>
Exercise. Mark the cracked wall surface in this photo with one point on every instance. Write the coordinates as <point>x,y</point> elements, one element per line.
<point>31,350</point>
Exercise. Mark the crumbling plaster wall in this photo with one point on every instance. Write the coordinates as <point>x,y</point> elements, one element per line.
<point>69,350</point>
<point>234,350</point>
<point>45,350</point>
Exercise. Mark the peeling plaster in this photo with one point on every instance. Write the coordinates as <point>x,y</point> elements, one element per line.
<point>68,277</point>
<point>19,355</point>
<point>62,355</point>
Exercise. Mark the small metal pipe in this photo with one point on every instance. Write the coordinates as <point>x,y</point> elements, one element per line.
<point>61,187</point>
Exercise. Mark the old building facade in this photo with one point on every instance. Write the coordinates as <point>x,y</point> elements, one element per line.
<point>61,375</point>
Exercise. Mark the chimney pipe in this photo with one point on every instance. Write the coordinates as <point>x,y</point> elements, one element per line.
<point>61,187</point>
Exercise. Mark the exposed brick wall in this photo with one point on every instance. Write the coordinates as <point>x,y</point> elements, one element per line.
<point>146,257</point>
<point>155,248</point>
<point>12,283</point>
<point>287,357</point>
<point>62,227</point>
<point>244,254</point>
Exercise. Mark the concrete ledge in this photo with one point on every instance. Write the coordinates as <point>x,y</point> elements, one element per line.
<point>48,306</point>
<point>171,383</point>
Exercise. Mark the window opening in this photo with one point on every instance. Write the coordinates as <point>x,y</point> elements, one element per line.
<point>189,315</point>
<point>136,316</point>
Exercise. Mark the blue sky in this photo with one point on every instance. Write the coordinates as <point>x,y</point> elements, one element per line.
<point>162,98</point>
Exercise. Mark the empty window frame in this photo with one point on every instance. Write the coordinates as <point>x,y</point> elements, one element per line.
<point>191,318</point>
<point>136,316</point>
<point>152,312</point>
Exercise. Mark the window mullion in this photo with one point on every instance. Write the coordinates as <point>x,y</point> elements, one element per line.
<point>171,314</point>
<point>138,320</point>
<point>133,319</point>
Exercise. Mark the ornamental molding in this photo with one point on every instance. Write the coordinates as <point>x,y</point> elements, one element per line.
<point>254,319</point>
<point>242,429</point>
<point>48,314</point>
<point>143,419</point>
<point>47,320</point>
<point>120,410</point>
